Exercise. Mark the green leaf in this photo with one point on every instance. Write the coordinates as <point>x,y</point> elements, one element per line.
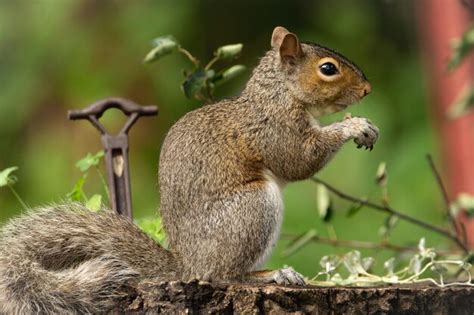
<point>462,47</point>
<point>153,227</point>
<point>381,175</point>
<point>228,51</point>
<point>89,160</point>
<point>300,242</point>
<point>323,202</point>
<point>463,105</point>
<point>194,82</point>
<point>353,210</point>
<point>162,46</point>
<point>228,74</point>
<point>77,193</point>
<point>94,203</point>
<point>6,177</point>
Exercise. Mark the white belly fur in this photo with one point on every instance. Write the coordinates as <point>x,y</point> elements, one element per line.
<point>274,187</point>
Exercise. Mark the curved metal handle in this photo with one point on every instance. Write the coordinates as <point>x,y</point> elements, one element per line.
<point>97,109</point>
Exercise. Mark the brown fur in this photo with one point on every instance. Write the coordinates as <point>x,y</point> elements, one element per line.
<point>222,169</point>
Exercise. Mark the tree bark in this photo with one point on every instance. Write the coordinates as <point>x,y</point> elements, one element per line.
<point>206,298</point>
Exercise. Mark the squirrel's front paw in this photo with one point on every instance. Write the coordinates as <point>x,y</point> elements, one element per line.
<point>363,131</point>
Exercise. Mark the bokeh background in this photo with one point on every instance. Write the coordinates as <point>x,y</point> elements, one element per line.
<point>59,55</point>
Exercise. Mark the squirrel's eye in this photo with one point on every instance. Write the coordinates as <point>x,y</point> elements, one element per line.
<point>328,69</point>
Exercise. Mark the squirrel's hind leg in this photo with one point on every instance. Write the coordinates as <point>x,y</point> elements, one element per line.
<point>236,234</point>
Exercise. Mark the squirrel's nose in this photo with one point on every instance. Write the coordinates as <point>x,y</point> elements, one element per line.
<point>366,89</point>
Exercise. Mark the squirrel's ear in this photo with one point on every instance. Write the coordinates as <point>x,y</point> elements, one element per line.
<point>290,48</point>
<point>277,37</point>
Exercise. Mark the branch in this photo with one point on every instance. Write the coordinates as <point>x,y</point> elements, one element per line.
<point>440,183</point>
<point>389,210</point>
<point>363,244</point>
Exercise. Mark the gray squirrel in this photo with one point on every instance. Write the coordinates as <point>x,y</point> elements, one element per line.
<point>222,170</point>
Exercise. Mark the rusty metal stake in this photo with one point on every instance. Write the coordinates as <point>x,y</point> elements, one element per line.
<point>116,147</point>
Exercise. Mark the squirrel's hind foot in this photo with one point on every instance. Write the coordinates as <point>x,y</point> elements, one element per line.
<point>284,276</point>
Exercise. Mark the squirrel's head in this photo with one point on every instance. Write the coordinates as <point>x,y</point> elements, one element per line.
<point>319,77</point>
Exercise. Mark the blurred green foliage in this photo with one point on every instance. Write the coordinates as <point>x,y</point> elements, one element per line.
<point>200,82</point>
<point>58,55</point>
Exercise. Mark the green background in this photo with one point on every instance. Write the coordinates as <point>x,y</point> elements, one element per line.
<point>58,55</point>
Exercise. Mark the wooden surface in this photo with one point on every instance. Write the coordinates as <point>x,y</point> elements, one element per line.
<point>205,298</point>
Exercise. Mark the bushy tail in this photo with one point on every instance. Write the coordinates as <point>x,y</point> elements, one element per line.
<point>65,259</point>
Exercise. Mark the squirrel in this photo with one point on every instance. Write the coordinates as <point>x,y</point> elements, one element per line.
<point>222,170</point>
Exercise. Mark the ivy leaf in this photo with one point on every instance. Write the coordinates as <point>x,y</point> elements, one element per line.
<point>89,160</point>
<point>77,193</point>
<point>228,51</point>
<point>6,177</point>
<point>162,46</point>
<point>323,203</point>
<point>300,242</point>
<point>228,74</point>
<point>94,203</point>
<point>462,47</point>
<point>196,81</point>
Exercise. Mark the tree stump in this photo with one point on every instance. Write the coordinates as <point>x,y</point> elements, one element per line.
<point>208,298</point>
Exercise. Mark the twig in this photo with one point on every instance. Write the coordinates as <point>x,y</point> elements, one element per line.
<point>102,179</point>
<point>363,244</point>
<point>190,56</point>
<point>399,214</point>
<point>211,63</point>
<point>356,244</point>
<point>440,183</point>
<point>458,226</point>
<point>17,196</point>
